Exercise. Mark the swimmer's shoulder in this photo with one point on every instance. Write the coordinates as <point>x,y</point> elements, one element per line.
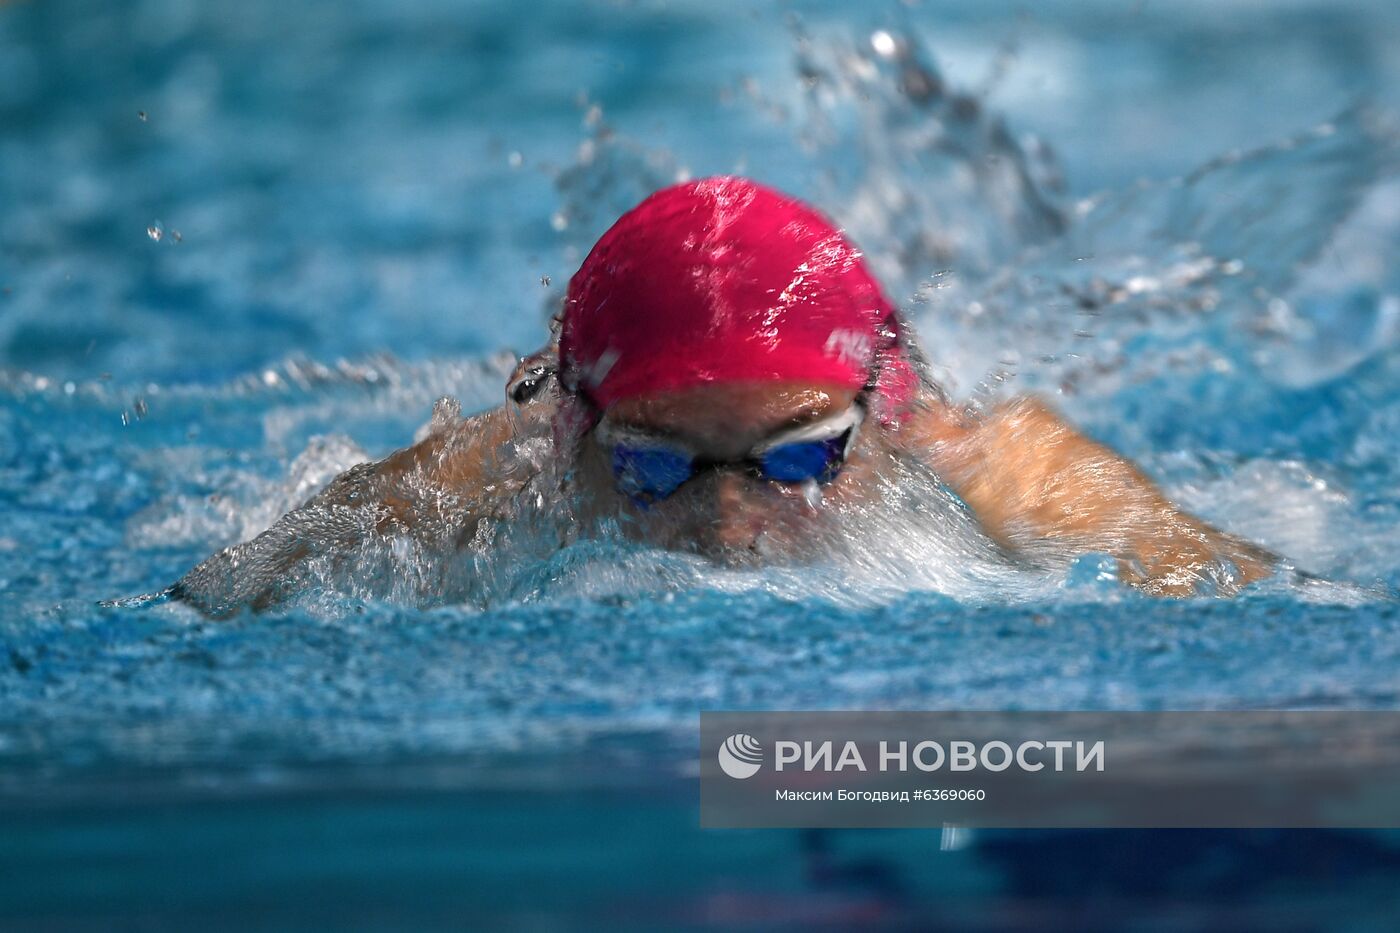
<point>933,423</point>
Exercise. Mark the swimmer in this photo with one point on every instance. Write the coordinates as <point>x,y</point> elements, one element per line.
<point>724,367</point>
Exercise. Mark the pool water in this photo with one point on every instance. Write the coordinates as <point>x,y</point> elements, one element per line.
<point>245,247</point>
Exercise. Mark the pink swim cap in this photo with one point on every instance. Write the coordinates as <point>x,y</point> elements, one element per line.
<point>724,280</point>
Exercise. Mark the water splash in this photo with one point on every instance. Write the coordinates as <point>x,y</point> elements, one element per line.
<point>931,177</point>
<point>1036,295</point>
<point>1279,421</point>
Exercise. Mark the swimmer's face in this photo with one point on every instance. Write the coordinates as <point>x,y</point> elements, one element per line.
<point>725,510</point>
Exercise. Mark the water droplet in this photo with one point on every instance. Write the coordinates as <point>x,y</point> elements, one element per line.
<point>883,43</point>
<point>176,236</point>
<point>544,280</point>
<point>559,221</point>
<point>447,411</point>
<point>516,159</point>
<point>155,231</point>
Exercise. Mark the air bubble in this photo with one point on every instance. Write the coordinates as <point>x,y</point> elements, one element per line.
<point>155,231</point>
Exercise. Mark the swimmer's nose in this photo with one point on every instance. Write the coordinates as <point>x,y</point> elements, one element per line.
<point>735,522</point>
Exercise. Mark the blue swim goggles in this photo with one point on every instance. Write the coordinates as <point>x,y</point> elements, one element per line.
<point>650,467</point>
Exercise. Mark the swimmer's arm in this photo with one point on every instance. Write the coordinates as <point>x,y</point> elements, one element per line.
<point>1031,478</point>
<point>436,490</point>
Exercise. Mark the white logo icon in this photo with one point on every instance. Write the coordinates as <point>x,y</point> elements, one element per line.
<point>740,756</point>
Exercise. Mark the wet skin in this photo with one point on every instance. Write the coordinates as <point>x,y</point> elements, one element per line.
<point>1037,487</point>
<point>724,511</point>
<point>1033,482</point>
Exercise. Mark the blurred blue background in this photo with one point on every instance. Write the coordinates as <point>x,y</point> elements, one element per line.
<point>351,177</point>
<point>229,230</point>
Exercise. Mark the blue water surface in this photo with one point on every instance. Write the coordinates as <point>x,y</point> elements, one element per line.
<point>244,246</point>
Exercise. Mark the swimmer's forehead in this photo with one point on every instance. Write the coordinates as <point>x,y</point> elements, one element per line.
<point>734,414</point>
